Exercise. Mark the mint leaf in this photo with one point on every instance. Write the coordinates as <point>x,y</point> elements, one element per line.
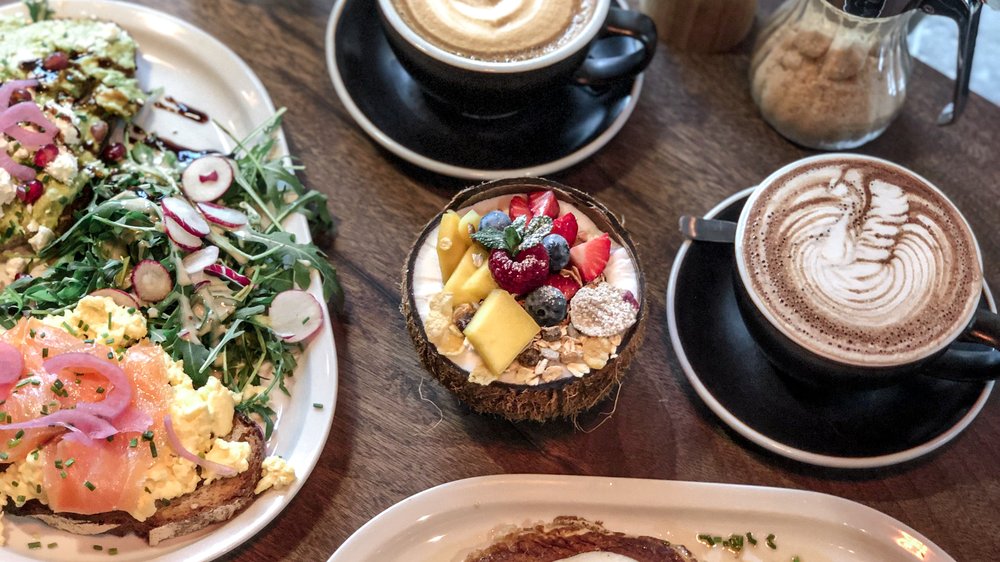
<point>538,228</point>
<point>490,238</point>
<point>512,239</point>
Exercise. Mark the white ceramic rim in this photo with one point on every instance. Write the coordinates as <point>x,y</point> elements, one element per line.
<point>220,538</point>
<point>741,266</point>
<point>452,170</point>
<point>523,495</point>
<point>774,445</point>
<point>571,47</point>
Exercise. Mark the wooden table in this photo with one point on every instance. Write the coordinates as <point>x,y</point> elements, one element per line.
<point>694,138</point>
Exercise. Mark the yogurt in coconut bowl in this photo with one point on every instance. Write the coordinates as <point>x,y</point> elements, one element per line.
<point>525,298</point>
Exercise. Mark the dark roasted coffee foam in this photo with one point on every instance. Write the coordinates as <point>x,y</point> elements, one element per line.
<point>861,263</point>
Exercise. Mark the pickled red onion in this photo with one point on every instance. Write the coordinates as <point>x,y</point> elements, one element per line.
<point>178,447</point>
<point>116,400</point>
<point>27,111</point>
<point>83,425</point>
<point>19,171</point>
<point>8,89</point>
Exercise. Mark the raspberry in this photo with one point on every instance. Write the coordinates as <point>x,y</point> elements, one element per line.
<point>521,274</point>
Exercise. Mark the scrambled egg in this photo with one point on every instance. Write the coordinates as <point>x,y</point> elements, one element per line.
<point>277,474</point>
<point>100,319</point>
<point>200,417</point>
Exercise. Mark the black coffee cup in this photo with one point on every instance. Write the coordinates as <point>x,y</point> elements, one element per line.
<point>969,352</point>
<point>485,88</point>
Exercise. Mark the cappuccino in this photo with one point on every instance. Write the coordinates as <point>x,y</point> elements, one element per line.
<point>496,30</point>
<point>860,262</point>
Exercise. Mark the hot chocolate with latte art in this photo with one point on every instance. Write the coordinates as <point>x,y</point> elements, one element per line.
<point>496,30</point>
<point>859,262</point>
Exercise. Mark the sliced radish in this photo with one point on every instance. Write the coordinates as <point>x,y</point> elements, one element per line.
<point>120,297</point>
<point>228,273</point>
<point>207,178</point>
<point>295,315</point>
<point>198,261</point>
<point>181,237</point>
<point>223,216</point>
<point>185,215</point>
<point>151,281</point>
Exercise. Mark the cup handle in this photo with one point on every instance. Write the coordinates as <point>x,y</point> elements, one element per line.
<point>600,71</point>
<point>964,364</point>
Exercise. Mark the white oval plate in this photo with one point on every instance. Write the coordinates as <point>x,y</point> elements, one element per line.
<point>448,522</point>
<point>197,69</point>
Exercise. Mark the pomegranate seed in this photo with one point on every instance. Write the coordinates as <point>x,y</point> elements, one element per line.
<point>19,95</point>
<point>46,155</point>
<point>214,176</point>
<point>114,152</point>
<point>30,192</point>
<point>99,130</point>
<point>56,61</point>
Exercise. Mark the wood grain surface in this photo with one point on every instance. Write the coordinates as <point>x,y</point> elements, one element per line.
<point>694,138</point>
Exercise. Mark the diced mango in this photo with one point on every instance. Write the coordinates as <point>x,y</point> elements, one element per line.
<point>450,245</point>
<point>468,225</point>
<point>477,287</point>
<point>500,330</point>
<point>473,258</point>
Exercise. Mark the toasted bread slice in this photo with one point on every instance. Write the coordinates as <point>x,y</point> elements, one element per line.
<point>568,536</point>
<point>214,503</point>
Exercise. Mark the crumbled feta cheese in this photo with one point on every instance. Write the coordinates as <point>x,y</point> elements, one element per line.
<point>42,238</point>
<point>8,189</point>
<point>64,167</point>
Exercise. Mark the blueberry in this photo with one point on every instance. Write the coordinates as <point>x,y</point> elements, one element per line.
<point>547,305</point>
<point>558,251</point>
<point>496,220</point>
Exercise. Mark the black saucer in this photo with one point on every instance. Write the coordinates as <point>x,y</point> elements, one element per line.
<point>839,428</point>
<point>390,107</point>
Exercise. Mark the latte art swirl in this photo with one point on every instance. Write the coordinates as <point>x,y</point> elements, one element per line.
<point>496,30</point>
<point>861,263</point>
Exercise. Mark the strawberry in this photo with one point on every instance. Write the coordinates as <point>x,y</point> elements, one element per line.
<point>567,285</point>
<point>543,203</point>
<point>566,227</point>
<point>591,257</point>
<point>522,273</point>
<point>519,206</point>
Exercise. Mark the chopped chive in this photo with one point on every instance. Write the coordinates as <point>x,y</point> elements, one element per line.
<point>24,382</point>
<point>32,333</point>
<point>109,341</point>
<point>131,310</point>
<point>770,542</point>
<point>19,434</point>
<point>707,539</point>
<point>147,436</point>
<point>112,551</point>
<point>45,352</point>
<point>62,474</point>
<point>52,545</point>
<point>110,438</point>
<point>111,355</point>
<point>89,486</point>
<point>317,405</point>
<point>34,454</point>
<point>38,488</point>
<point>69,462</point>
<point>98,547</point>
<point>34,545</point>
<point>751,539</point>
<point>100,390</point>
<point>110,323</point>
<point>3,456</point>
<point>69,329</point>
<point>58,463</point>
<point>133,443</point>
<point>88,340</point>
<point>21,500</point>
<point>15,483</point>
<point>152,449</point>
